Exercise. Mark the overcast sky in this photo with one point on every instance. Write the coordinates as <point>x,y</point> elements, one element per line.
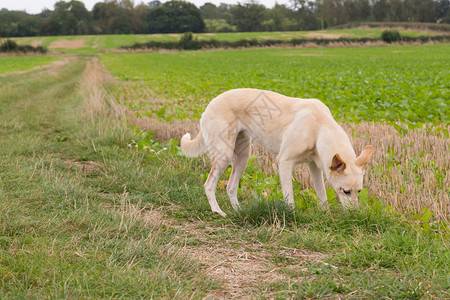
<point>36,6</point>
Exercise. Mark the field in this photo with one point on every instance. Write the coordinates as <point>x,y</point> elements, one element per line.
<point>98,43</point>
<point>15,64</point>
<point>412,87</point>
<point>412,83</point>
<point>94,206</point>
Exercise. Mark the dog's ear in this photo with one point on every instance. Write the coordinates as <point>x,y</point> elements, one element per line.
<point>337,164</point>
<point>364,157</point>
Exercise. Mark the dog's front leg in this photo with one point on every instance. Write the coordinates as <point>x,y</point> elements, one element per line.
<point>319,186</point>
<point>285,168</point>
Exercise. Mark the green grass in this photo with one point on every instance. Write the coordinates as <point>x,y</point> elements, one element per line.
<point>374,255</point>
<point>408,84</point>
<point>67,233</point>
<point>96,43</point>
<point>22,63</point>
<point>367,252</point>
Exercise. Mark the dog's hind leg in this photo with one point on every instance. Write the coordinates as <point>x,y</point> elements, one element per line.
<point>239,163</point>
<point>219,163</point>
<point>319,186</point>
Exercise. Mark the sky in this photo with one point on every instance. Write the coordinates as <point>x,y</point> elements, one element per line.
<point>36,6</point>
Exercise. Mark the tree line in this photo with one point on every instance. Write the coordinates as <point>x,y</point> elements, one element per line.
<point>124,17</point>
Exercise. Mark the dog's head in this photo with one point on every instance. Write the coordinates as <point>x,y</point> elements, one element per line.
<point>346,177</point>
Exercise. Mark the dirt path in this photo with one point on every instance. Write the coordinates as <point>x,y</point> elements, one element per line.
<point>243,267</point>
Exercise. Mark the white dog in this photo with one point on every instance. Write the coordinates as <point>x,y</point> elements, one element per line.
<point>296,130</point>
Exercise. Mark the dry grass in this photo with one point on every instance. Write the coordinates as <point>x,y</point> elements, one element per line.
<point>97,101</point>
<point>241,266</point>
<point>409,172</point>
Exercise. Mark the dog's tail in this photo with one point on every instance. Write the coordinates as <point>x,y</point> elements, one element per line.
<point>195,147</point>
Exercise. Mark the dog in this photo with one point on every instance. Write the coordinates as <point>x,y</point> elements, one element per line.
<point>296,130</point>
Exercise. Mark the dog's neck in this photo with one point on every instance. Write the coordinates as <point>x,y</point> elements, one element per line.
<point>332,142</point>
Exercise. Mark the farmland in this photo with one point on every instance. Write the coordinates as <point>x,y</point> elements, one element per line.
<point>412,83</point>
<point>98,43</point>
<point>412,87</point>
<point>95,207</point>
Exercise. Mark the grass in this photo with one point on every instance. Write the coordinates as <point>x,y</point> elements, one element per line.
<point>373,254</point>
<point>92,209</point>
<point>366,253</point>
<point>21,63</point>
<point>90,44</point>
<point>65,232</point>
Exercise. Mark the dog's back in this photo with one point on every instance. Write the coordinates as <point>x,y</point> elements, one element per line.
<point>263,115</point>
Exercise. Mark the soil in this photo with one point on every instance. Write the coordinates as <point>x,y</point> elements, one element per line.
<point>66,44</point>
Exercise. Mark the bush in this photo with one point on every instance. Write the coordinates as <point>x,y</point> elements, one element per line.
<point>390,36</point>
<point>225,29</point>
<point>187,42</point>
<point>11,46</point>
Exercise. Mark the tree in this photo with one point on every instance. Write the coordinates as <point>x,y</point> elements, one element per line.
<point>154,3</point>
<point>175,17</point>
<point>138,18</point>
<point>224,9</point>
<point>209,11</point>
<point>111,18</point>
<point>442,9</point>
<point>70,18</point>
<point>280,18</point>
<point>305,13</point>
<point>332,12</point>
<point>248,16</point>
<point>357,10</point>
<point>420,10</point>
<point>19,23</point>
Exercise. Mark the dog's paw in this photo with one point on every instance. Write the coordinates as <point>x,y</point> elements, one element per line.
<point>220,212</point>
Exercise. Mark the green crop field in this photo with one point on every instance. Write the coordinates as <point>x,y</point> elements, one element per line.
<point>14,63</point>
<point>373,84</point>
<point>97,200</point>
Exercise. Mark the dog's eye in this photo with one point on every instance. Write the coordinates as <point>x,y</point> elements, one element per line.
<point>359,191</point>
<point>347,192</point>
